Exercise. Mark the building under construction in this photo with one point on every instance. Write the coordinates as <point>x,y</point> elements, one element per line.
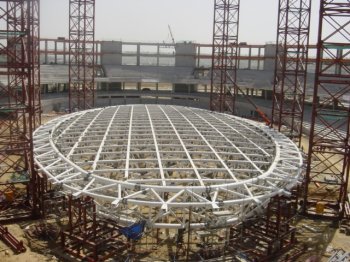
<point>129,151</point>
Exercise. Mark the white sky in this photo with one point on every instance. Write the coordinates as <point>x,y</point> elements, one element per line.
<point>148,20</point>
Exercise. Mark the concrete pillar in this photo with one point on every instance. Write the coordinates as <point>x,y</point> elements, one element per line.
<point>55,52</point>
<point>238,54</point>
<point>250,61</point>
<point>138,58</point>
<point>198,54</point>
<point>264,95</point>
<point>64,53</point>
<point>98,57</point>
<point>46,54</point>
<point>158,53</point>
<point>338,67</point>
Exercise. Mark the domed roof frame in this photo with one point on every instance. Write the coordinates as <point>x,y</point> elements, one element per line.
<point>220,163</point>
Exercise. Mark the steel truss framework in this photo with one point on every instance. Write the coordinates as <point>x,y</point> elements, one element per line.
<point>256,238</point>
<point>81,54</point>
<point>328,157</point>
<point>89,238</point>
<point>19,98</point>
<point>291,66</point>
<point>161,160</point>
<point>224,57</point>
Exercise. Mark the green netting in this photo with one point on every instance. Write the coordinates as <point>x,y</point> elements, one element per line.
<point>337,47</point>
<point>12,33</point>
<point>17,177</point>
<point>7,110</point>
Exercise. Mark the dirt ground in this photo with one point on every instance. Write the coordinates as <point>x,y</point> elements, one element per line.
<point>7,255</point>
<point>321,237</point>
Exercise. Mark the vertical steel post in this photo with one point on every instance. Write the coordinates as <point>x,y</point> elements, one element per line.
<point>81,54</point>
<point>291,66</point>
<point>20,110</point>
<point>224,56</point>
<point>327,171</point>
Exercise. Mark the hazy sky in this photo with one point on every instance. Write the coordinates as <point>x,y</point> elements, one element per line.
<point>148,20</point>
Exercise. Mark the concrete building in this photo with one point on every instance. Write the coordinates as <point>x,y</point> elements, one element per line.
<point>134,72</point>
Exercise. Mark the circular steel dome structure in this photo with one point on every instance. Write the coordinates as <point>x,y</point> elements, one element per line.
<point>159,162</point>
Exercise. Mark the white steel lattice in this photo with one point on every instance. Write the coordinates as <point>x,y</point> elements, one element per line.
<point>158,161</point>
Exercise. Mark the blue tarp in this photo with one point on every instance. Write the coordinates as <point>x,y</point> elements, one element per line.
<point>134,231</point>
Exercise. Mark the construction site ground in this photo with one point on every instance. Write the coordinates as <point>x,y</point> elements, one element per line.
<point>321,237</point>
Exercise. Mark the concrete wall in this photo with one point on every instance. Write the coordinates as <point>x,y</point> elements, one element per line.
<point>59,102</point>
<point>111,53</point>
<point>153,98</point>
<point>185,55</point>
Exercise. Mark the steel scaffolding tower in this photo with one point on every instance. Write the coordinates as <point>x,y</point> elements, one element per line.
<point>224,56</point>
<point>328,156</point>
<point>19,102</point>
<point>291,66</point>
<point>81,54</point>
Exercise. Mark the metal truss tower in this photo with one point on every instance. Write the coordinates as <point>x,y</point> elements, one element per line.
<point>20,108</point>
<point>328,156</point>
<point>291,66</point>
<point>81,54</point>
<point>224,57</point>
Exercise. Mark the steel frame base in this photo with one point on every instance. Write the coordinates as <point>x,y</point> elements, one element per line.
<point>327,173</point>
<point>88,238</point>
<point>267,237</point>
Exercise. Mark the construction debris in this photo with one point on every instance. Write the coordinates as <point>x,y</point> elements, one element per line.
<point>16,245</point>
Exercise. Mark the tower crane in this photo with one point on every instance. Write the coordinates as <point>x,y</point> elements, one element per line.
<point>171,35</point>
